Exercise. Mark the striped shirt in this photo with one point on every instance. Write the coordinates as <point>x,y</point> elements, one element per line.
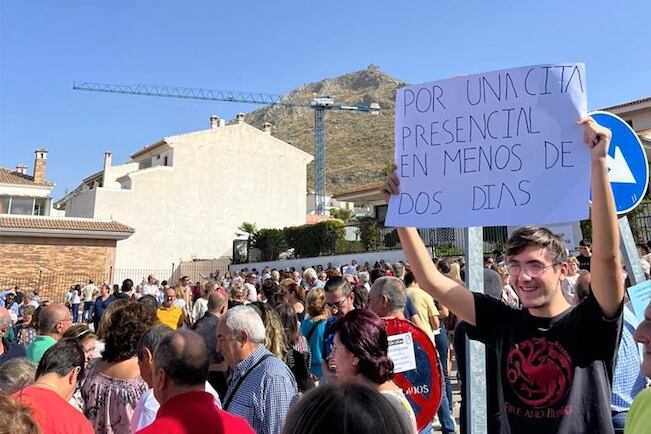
<point>627,379</point>
<point>265,395</point>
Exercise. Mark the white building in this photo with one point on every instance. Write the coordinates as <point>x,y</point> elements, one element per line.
<point>185,195</point>
<point>25,194</point>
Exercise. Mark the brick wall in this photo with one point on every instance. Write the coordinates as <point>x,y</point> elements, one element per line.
<point>51,265</point>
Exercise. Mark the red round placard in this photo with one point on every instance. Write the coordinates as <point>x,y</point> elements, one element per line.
<point>421,385</point>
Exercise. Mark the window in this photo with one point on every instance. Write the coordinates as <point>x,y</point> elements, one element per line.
<point>22,205</point>
<point>165,161</point>
<point>158,157</point>
<point>40,206</point>
<point>381,213</point>
<point>4,204</point>
<point>630,123</point>
<point>145,163</point>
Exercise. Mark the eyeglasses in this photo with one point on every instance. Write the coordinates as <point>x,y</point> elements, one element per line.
<point>533,269</point>
<point>337,304</point>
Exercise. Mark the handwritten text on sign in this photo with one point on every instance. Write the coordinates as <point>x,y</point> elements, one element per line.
<point>500,148</point>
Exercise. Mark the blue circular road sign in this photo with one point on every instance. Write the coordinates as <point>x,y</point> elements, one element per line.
<point>628,168</point>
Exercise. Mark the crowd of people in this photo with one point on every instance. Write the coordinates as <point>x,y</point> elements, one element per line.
<point>307,351</point>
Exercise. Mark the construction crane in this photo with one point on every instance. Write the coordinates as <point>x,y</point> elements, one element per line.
<point>319,105</point>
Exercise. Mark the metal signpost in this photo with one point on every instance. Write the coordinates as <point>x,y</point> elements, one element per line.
<point>476,410</point>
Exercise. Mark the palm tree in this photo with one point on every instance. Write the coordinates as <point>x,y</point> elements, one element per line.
<point>251,229</point>
<point>342,214</point>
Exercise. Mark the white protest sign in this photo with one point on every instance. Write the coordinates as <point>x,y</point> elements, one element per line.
<point>401,352</point>
<point>500,148</point>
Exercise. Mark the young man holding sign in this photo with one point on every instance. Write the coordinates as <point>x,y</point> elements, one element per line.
<point>555,361</point>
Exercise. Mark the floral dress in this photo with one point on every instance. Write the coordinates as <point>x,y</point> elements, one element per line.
<point>109,402</point>
<point>25,335</point>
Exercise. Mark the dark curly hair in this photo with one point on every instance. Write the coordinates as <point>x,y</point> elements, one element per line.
<point>363,333</point>
<point>127,326</point>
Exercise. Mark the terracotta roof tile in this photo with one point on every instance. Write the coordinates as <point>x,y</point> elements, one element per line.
<point>360,188</point>
<point>626,104</point>
<point>8,176</point>
<point>311,219</point>
<point>62,224</point>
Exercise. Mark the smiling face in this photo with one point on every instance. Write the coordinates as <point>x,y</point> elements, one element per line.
<point>170,297</point>
<point>542,290</point>
<point>643,336</point>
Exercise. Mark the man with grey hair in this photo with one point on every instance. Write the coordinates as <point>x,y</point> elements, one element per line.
<point>8,350</point>
<point>16,374</point>
<point>388,297</point>
<point>262,388</point>
<point>364,278</point>
<point>399,270</point>
<point>393,295</point>
<point>310,279</point>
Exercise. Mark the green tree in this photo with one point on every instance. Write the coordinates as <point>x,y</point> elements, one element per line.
<point>342,214</point>
<point>249,228</point>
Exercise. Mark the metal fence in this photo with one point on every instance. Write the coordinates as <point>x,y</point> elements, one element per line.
<point>640,221</point>
<point>52,285</point>
<point>365,237</point>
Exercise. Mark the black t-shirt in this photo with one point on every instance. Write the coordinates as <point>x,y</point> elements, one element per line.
<point>584,262</point>
<point>555,373</point>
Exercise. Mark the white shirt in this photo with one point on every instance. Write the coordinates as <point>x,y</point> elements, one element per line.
<point>147,407</point>
<point>200,308</point>
<point>148,289</point>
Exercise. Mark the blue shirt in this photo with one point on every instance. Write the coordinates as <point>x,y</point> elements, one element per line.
<point>15,308</point>
<point>627,380</point>
<point>315,343</point>
<point>11,350</point>
<point>265,396</point>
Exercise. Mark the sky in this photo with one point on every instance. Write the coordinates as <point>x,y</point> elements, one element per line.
<point>272,47</point>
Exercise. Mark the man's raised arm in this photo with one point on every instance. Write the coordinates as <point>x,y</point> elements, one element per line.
<point>605,264</point>
<point>456,297</point>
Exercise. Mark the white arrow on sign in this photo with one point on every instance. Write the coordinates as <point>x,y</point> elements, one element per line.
<point>618,170</point>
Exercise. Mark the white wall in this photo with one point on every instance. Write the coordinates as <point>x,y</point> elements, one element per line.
<point>641,120</point>
<point>25,190</point>
<point>338,260</point>
<point>220,178</point>
<point>112,173</point>
<point>230,175</point>
<point>82,204</point>
<point>148,208</point>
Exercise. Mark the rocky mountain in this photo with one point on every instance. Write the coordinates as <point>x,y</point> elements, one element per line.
<point>358,144</point>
